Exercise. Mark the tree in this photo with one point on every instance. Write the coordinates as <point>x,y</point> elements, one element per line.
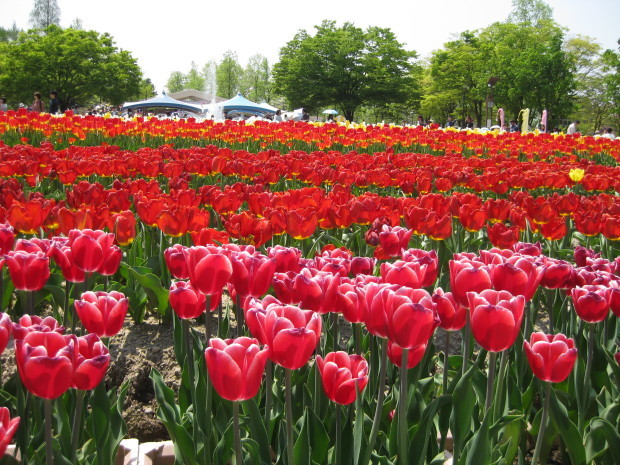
<point>256,82</point>
<point>530,11</point>
<point>611,68</point>
<point>229,74</point>
<point>194,79</point>
<point>45,13</point>
<point>344,67</point>
<point>534,70</point>
<point>9,35</point>
<point>83,66</point>
<point>456,83</point>
<point>176,82</point>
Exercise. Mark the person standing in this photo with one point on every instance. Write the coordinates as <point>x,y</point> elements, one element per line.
<point>469,123</point>
<point>305,116</point>
<point>54,102</point>
<point>450,123</point>
<point>573,127</point>
<point>3,105</point>
<point>38,104</point>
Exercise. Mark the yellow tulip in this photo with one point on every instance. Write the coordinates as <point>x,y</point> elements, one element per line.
<point>576,174</point>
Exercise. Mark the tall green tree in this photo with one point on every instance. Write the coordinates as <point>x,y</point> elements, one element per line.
<point>9,35</point>
<point>194,79</point>
<point>611,68</point>
<point>345,67</point>
<point>176,82</point>
<point>256,82</point>
<point>229,75</point>
<point>456,83</point>
<point>534,70</point>
<point>83,66</point>
<point>530,11</point>
<point>45,13</point>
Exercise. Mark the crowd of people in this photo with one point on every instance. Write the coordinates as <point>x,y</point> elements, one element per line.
<point>53,107</point>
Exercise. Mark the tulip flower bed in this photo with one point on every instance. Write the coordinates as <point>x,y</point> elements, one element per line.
<point>331,294</point>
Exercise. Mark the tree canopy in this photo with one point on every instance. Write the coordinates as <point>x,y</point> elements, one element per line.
<point>344,67</point>
<point>83,66</point>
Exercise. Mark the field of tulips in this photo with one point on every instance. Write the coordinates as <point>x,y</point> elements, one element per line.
<point>338,294</point>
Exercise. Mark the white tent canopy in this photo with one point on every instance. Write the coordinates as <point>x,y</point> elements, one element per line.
<point>163,101</point>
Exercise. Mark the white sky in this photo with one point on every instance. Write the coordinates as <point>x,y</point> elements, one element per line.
<point>167,36</point>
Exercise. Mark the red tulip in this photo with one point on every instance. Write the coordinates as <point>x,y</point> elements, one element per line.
<point>316,291</point>
<point>63,256</point>
<point>393,239</point>
<point>426,258</point>
<point>286,258</point>
<point>414,355</point>
<point>5,331</point>
<point>519,276</point>
<point>363,265</point>
<point>90,248</point>
<point>187,302</point>
<point>102,313</point>
<point>349,302</point>
<point>236,367</point>
<point>124,227</point>
<point>343,376</point>
<point>556,275</point>
<point>91,362</point>
<point>408,274</point>
<point>467,276</point>
<point>28,324</point>
<point>452,316</point>
<point>503,236</point>
<point>581,254</point>
<point>283,287</point>
<point>614,297</point>
<point>292,334</point>
<point>28,271</point>
<point>45,363</point>
<point>7,240</point>
<point>176,262</point>
<point>411,317</point>
<point>551,357</point>
<point>496,318</point>
<point>252,273</point>
<point>617,357</point>
<point>111,262</point>
<point>209,269</point>
<point>8,427</point>
<point>591,302</point>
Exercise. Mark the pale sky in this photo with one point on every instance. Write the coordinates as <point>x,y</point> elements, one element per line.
<point>166,36</point>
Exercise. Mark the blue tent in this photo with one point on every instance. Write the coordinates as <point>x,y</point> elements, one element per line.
<point>243,105</point>
<point>163,101</point>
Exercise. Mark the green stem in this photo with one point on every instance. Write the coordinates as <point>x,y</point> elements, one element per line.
<point>403,440</point>
<point>238,451</point>
<point>490,380</point>
<point>49,451</point>
<point>338,446</point>
<point>335,331</point>
<point>268,392</point>
<point>499,403</point>
<point>550,296</point>
<point>587,380</point>
<point>289,416</point>
<point>446,362</point>
<point>379,408</point>
<point>466,342</point>
<point>239,315</point>
<point>207,320</point>
<point>543,424</point>
<point>358,337</point>
<point>77,424</point>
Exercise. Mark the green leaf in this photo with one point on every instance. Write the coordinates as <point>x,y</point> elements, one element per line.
<point>258,432</point>
<point>480,451</point>
<point>419,443</point>
<point>318,437</point>
<point>152,286</point>
<point>302,450</point>
<point>168,412</point>
<point>568,431</point>
<point>463,410</point>
<point>602,431</point>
